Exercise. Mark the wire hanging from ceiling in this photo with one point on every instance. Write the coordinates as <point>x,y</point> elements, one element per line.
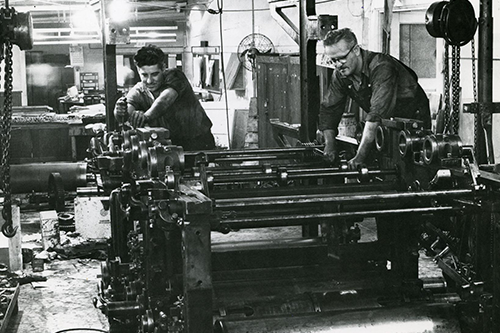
<point>220,5</point>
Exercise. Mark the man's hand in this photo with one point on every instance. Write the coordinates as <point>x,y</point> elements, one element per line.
<point>121,109</point>
<point>137,118</point>
<point>330,154</point>
<point>355,163</point>
<point>366,145</point>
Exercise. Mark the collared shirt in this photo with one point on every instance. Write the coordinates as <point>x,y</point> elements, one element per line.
<point>185,118</point>
<point>388,88</point>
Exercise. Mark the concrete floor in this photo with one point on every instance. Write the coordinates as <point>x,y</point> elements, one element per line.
<point>64,301</point>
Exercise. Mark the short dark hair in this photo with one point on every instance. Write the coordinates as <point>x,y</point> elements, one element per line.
<point>335,36</point>
<point>149,55</point>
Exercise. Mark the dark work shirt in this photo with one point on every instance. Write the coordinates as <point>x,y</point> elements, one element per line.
<point>388,89</point>
<point>185,118</point>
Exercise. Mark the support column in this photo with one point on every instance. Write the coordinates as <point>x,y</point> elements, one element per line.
<point>110,84</point>
<point>197,275</point>
<point>485,83</point>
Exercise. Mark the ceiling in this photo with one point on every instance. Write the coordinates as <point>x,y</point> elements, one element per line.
<point>52,19</point>
<point>47,13</point>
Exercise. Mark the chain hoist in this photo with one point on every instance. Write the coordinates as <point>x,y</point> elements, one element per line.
<point>455,22</point>
<point>7,228</point>
<point>452,112</point>
<point>474,90</point>
<point>446,97</point>
<point>16,28</point>
<point>456,90</point>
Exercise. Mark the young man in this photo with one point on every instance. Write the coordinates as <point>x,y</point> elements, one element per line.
<point>165,98</point>
<point>381,85</point>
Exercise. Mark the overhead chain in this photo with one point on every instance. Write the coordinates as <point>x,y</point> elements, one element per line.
<point>455,87</point>
<point>474,89</point>
<point>2,158</point>
<point>6,54</point>
<point>446,74</point>
<point>474,79</point>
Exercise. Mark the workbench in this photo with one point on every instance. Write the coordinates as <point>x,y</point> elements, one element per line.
<point>42,136</point>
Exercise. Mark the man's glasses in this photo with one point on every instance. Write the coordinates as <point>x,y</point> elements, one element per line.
<point>342,59</point>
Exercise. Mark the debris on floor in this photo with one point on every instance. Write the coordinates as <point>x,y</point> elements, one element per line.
<point>63,301</point>
<point>58,283</point>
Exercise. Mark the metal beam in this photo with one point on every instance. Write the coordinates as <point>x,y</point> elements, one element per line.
<point>284,21</point>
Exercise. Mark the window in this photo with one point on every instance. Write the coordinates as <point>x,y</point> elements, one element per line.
<point>417,49</point>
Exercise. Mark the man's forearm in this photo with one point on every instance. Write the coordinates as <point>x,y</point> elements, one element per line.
<point>369,133</point>
<point>330,137</point>
<point>161,104</point>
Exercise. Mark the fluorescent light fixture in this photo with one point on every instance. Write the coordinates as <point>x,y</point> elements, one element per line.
<point>132,40</point>
<point>67,42</point>
<point>148,34</point>
<point>153,35</point>
<point>154,28</point>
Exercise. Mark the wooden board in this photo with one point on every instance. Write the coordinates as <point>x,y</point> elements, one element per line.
<point>12,295</point>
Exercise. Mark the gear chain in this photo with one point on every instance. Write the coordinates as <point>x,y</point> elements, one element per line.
<point>474,89</point>
<point>6,54</point>
<point>455,87</point>
<point>446,74</point>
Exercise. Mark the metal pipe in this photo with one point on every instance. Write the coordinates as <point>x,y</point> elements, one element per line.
<point>250,158</point>
<point>432,318</point>
<point>124,309</point>
<point>253,169</point>
<point>266,244</point>
<point>298,174</point>
<point>306,199</point>
<point>26,178</point>
<point>386,187</point>
<point>301,219</point>
<point>255,151</point>
<point>251,154</point>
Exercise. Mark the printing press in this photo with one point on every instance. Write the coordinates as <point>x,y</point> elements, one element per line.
<point>174,264</point>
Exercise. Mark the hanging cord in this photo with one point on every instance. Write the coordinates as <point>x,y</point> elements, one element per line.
<point>223,71</point>
<point>253,20</point>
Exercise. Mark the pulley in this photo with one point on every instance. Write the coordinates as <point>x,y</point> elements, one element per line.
<point>16,27</point>
<point>454,20</point>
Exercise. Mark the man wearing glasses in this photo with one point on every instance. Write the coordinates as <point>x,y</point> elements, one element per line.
<point>382,86</point>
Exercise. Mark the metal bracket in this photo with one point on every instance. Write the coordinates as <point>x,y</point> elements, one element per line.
<point>282,130</point>
<point>482,107</point>
<point>316,26</point>
<point>282,19</point>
